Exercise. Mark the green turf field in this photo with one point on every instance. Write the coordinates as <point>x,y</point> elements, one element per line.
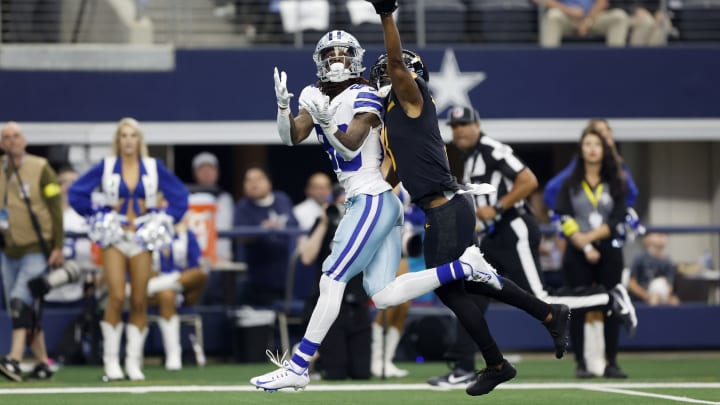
<point>655,378</point>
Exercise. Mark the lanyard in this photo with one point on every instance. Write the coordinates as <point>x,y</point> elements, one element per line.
<point>9,176</point>
<point>594,197</point>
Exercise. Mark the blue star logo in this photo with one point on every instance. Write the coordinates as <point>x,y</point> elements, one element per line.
<point>450,86</point>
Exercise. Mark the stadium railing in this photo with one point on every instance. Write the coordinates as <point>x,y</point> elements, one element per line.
<point>207,23</point>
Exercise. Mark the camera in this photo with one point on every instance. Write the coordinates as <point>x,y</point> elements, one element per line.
<point>68,273</point>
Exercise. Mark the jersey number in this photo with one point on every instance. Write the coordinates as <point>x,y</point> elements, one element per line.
<point>338,163</point>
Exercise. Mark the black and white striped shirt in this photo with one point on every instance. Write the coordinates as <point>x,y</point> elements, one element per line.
<point>495,163</point>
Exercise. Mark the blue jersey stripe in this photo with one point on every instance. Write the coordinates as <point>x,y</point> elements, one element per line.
<point>371,104</point>
<point>369,95</point>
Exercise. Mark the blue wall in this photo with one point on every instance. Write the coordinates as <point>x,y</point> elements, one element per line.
<point>523,83</point>
<point>689,326</point>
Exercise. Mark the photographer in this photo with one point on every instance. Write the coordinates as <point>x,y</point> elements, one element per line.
<point>31,206</point>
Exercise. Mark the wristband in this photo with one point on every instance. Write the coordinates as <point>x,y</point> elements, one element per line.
<point>588,247</point>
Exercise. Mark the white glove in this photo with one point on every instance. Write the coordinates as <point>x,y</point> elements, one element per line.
<point>323,114</point>
<point>281,91</point>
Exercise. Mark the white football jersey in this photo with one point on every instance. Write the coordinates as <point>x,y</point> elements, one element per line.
<point>362,174</point>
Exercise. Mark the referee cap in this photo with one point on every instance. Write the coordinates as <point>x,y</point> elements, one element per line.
<point>462,115</point>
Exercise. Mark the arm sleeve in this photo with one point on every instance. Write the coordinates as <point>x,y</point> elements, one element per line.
<point>632,190</point>
<point>53,199</point>
<point>174,192</point>
<point>193,251</point>
<point>80,193</point>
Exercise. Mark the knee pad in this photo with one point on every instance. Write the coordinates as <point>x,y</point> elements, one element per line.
<point>21,314</point>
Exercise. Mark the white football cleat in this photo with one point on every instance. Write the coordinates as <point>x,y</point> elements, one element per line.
<point>622,305</point>
<point>481,270</point>
<point>283,377</point>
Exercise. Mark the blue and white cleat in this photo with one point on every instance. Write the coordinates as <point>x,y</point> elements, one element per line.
<point>284,377</point>
<point>481,270</point>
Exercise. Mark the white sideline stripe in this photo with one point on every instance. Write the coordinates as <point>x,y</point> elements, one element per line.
<point>345,387</point>
<point>651,395</point>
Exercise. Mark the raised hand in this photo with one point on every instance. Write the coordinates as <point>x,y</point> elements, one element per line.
<point>281,91</point>
<point>384,6</point>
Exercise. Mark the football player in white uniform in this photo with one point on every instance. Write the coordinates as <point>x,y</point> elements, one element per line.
<point>346,113</point>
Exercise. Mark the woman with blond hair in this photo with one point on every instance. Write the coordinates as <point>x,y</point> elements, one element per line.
<point>130,183</point>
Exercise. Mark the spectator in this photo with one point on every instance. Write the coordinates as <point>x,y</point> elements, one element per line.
<point>602,127</point>
<point>210,211</point>
<point>583,17</point>
<point>652,274</point>
<point>31,222</point>
<point>649,26</point>
<point>204,192</point>
<point>318,192</point>
<point>591,203</point>
<point>266,255</point>
<point>180,280</point>
<point>130,182</point>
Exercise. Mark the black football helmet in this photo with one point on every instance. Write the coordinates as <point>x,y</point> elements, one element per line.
<point>413,62</point>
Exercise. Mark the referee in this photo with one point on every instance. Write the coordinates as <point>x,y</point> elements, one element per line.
<point>510,234</point>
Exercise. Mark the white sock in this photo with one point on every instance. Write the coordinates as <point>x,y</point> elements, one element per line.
<point>168,281</point>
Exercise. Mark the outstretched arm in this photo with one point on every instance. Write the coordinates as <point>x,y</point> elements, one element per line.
<point>403,81</point>
<point>292,130</point>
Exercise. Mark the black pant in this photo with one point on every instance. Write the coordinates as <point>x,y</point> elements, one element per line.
<point>449,230</point>
<point>519,262</point>
<point>607,273</point>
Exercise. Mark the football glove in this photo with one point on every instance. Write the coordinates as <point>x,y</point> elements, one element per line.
<point>281,91</point>
<point>384,6</point>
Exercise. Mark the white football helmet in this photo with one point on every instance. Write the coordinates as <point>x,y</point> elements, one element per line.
<point>346,63</point>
